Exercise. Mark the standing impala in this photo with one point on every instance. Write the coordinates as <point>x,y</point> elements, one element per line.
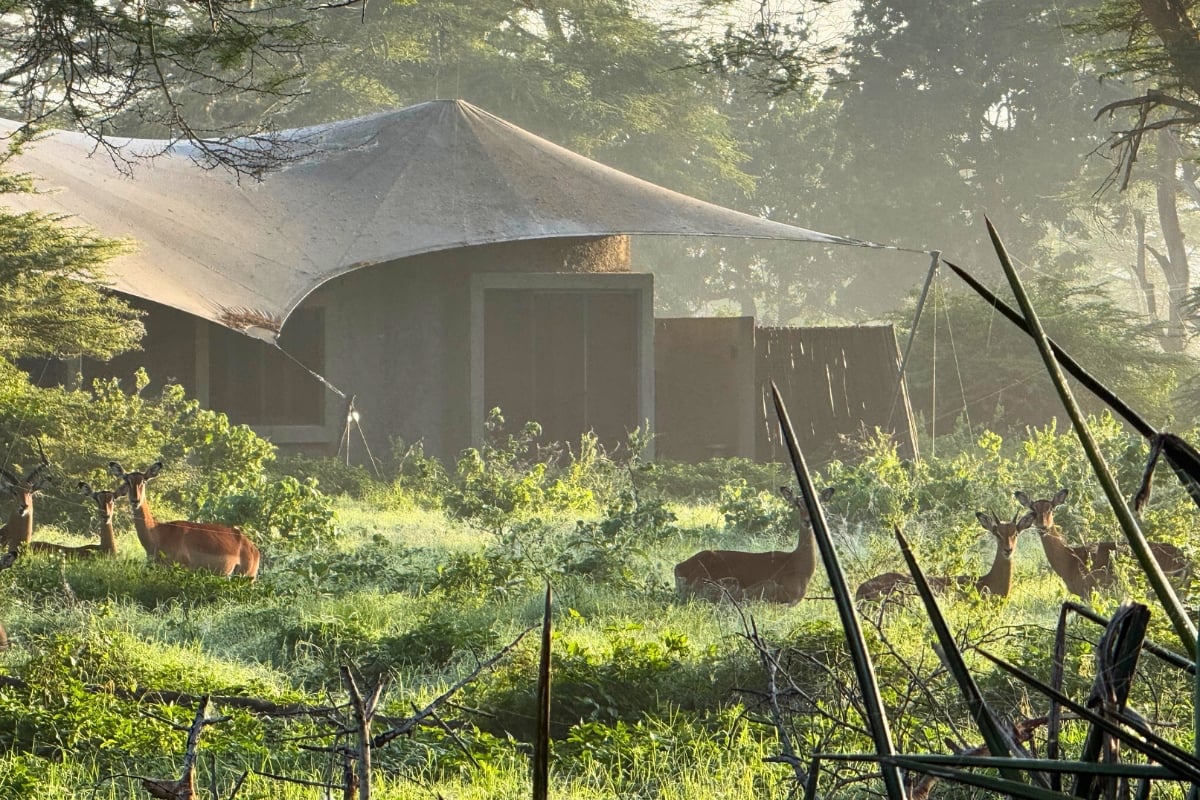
<point>105,502</point>
<point>19,529</point>
<point>194,545</point>
<point>776,577</point>
<point>1087,567</point>
<point>997,581</point>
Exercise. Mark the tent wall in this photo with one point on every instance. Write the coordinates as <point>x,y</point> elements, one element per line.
<point>836,382</point>
<point>169,351</point>
<point>573,352</point>
<point>398,337</point>
<point>704,388</point>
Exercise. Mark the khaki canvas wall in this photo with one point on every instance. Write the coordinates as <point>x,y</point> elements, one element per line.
<point>704,388</point>
<point>838,383</point>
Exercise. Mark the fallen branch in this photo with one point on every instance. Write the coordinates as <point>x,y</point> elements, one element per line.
<point>185,787</point>
<point>407,726</point>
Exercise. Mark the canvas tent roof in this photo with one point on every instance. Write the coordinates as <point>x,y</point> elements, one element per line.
<point>429,177</point>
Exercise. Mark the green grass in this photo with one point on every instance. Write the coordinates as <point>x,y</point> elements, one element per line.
<point>653,697</point>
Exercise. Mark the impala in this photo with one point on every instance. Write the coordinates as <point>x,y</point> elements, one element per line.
<point>775,577</point>
<point>105,502</point>
<point>1087,567</point>
<point>194,545</point>
<point>997,581</point>
<point>19,528</point>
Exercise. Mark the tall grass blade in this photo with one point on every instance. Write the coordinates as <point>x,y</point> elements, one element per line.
<point>844,599</point>
<point>1183,458</point>
<point>998,742</point>
<point>541,744</point>
<point>1001,786</point>
<point>1117,658</point>
<point>1129,524</point>
<point>1169,656</point>
<point>1182,764</point>
<point>921,760</point>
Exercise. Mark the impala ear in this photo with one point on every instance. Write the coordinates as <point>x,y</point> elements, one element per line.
<point>1022,498</point>
<point>1025,521</point>
<point>116,469</point>
<point>121,490</point>
<point>1059,498</point>
<point>986,520</point>
<point>85,488</point>
<point>153,470</point>
<point>826,493</point>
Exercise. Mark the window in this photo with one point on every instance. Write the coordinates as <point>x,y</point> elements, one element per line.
<point>254,383</point>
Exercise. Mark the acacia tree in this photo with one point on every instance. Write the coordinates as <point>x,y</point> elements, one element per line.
<point>52,303</point>
<point>1157,118</point>
<point>86,64</point>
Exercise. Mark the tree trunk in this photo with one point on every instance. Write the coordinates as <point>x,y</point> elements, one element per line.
<point>1175,264</point>
<point>1179,36</point>
<point>1139,268</point>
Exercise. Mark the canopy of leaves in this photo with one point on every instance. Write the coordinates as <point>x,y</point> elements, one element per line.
<point>51,304</point>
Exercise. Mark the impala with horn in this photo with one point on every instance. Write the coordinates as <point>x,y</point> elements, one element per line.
<point>19,529</point>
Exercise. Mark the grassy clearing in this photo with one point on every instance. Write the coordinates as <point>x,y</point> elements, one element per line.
<point>653,697</point>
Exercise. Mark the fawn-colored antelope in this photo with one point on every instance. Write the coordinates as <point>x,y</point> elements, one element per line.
<point>774,577</point>
<point>105,502</point>
<point>194,545</point>
<point>997,581</point>
<point>1087,567</point>
<point>18,530</point>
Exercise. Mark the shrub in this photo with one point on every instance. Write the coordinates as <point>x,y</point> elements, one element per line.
<point>332,475</point>
<point>417,476</point>
<point>512,477</point>
<point>705,482</point>
<point>280,515</point>
<point>754,512</point>
<point>82,430</point>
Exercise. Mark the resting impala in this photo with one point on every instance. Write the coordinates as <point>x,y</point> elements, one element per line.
<point>19,529</point>
<point>1087,567</point>
<point>775,577</point>
<point>997,581</point>
<point>105,502</point>
<point>195,545</point>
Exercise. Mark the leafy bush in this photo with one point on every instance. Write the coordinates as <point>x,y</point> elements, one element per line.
<point>82,430</point>
<point>511,478</point>
<point>705,482</point>
<point>421,478</point>
<point>753,512</point>
<point>332,475</point>
<point>614,549</point>
<point>280,515</point>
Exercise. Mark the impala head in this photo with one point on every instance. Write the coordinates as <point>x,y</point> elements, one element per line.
<point>1043,510</point>
<point>134,482</point>
<point>1006,533</point>
<point>24,490</point>
<point>797,502</point>
<point>104,500</point>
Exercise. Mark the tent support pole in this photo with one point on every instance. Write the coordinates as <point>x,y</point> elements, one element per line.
<point>935,259</point>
